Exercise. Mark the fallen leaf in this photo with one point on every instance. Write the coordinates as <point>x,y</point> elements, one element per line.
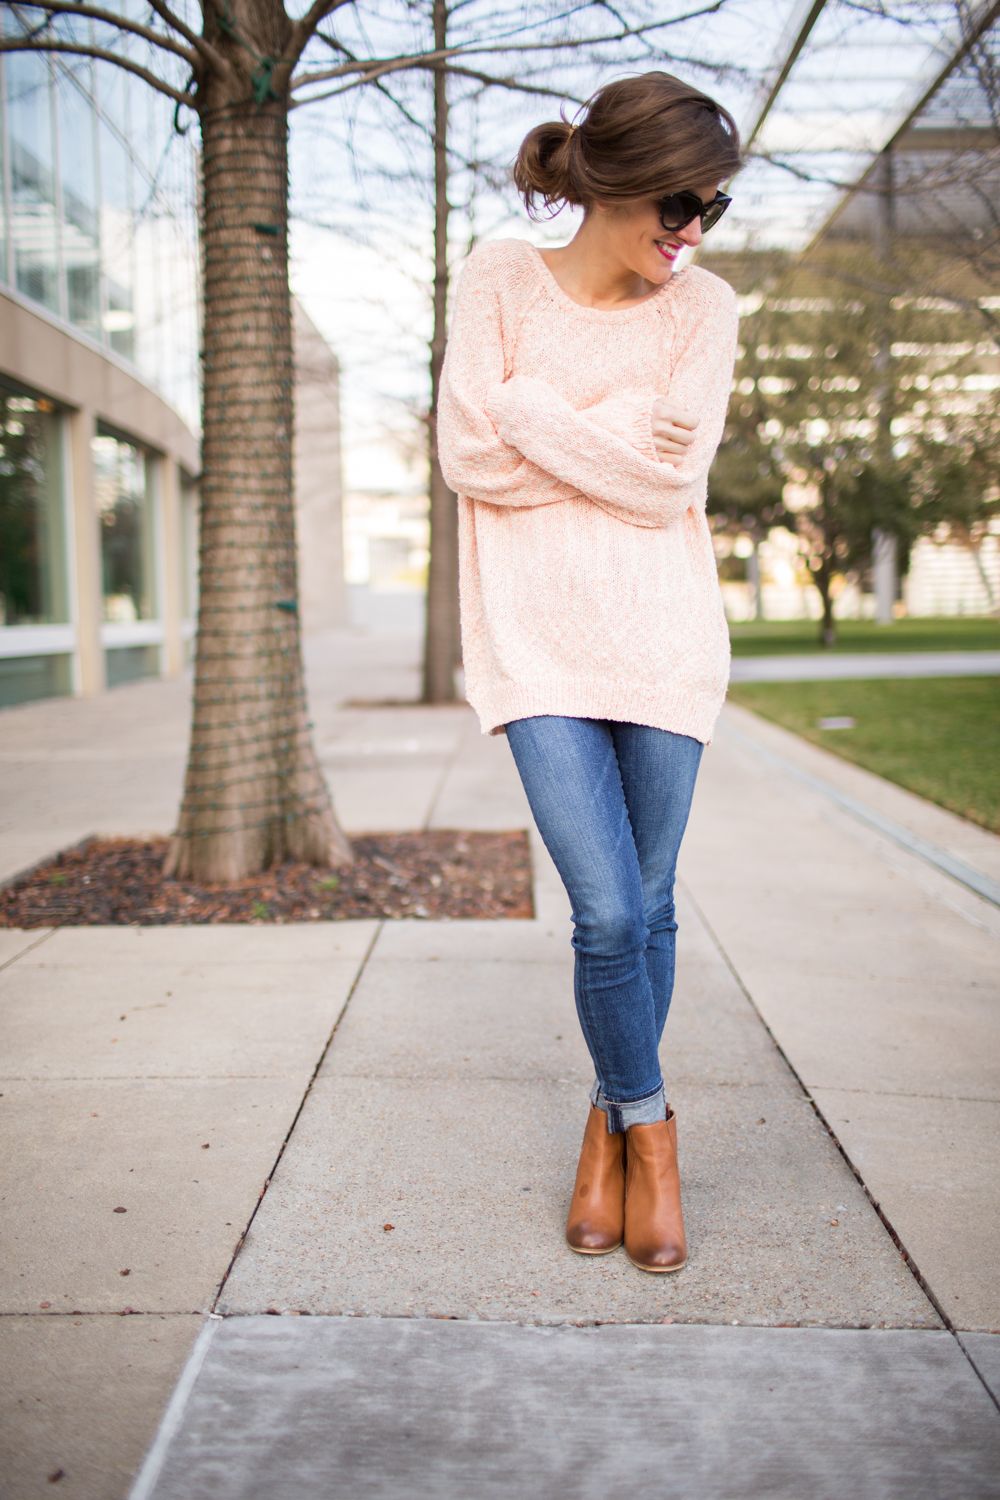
<point>835,1221</point>
<point>206,1145</point>
<point>387,1227</point>
<point>125,1273</point>
<point>55,1478</point>
<point>762,1121</point>
<point>45,1304</point>
<point>119,1210</point>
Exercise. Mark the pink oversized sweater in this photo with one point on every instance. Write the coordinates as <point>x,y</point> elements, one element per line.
<point>588,582</point>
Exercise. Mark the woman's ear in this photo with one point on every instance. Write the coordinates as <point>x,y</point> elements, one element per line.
<point>618,209</point>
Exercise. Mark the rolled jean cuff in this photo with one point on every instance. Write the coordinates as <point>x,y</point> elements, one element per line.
<point>648,1111</point>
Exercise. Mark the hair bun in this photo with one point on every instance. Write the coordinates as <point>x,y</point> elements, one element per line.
<point>641,137</point>
<point>544,166</point>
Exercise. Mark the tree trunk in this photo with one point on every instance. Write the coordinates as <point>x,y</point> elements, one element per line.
<point>442,641</point>
<point>823,579</point>
<point>254,794</point>
<point>753,572</point>
<point>885,574</point>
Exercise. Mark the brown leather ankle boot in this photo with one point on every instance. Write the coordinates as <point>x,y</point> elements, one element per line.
<point>597,1213</point>
<point>654,1224</point>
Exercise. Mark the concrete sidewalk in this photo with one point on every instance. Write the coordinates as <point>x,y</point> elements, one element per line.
<point>449,1103</point>
<point>812,667</point>
<point>115,764</point>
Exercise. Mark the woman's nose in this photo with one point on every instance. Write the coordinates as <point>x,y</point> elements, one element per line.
<point>691,234</point>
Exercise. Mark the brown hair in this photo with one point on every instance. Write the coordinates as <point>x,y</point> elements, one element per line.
<point>641,137</point>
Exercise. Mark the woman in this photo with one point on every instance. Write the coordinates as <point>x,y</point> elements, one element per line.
<point>583,398</point>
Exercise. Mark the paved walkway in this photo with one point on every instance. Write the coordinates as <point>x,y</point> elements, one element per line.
<point>817,668</point>
<point>430,1076</point>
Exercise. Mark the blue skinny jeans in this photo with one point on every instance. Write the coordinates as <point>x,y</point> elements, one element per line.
<point>611,801</point>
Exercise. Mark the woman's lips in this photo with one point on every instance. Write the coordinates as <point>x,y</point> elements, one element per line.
<point>669,252</point>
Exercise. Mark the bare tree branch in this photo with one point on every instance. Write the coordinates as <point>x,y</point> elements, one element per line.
<point>413,65</point>
<point>304,29</point>
<point>388,64</point>
<point>197,41</point>
<point>479,49</point>
<point>512,84</point>
<point>428,134</point>
<point>121,23</point>
<point>103,54</point>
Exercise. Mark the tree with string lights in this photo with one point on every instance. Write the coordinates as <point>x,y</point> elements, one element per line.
<point>254,793</point>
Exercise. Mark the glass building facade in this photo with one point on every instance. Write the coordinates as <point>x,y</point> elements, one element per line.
<point>98,219</point>
<point>98,235</point>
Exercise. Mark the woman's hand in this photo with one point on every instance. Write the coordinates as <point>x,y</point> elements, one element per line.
<point>673,431</point>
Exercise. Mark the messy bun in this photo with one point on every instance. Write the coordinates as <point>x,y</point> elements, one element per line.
<point>544,167</point>
<point>640,137</point>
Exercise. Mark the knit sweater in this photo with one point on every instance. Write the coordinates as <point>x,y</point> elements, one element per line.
<point>588,581</point>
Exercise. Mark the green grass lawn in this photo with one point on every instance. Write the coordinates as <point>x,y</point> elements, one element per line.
<point>775,637</point>
<point>936,736</point>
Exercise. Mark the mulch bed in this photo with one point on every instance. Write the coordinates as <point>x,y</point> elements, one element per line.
<point>443,875</point>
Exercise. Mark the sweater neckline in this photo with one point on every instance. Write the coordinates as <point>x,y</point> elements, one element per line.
<point>655,301</point>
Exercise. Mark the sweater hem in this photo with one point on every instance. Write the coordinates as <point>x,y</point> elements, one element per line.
<point>689,713</point>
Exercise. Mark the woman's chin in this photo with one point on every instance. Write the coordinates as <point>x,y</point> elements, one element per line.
<point>661,268</point>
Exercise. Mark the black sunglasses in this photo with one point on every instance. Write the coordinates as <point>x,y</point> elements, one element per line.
<point>678,210</point>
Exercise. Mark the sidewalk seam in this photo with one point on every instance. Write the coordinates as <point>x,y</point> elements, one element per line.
<point>295,1119</point>
<point>173,1416</point>
<point>30,948</point>
<point>807,1094</point>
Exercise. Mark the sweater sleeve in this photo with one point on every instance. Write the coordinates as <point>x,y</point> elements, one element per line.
<point>475,460</point>
<point>620,471</point>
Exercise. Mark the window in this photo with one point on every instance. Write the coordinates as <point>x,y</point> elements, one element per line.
<point>34,215</point>
<point>25,678</point>
<point>80,203</point>
<point>125,512</point>
<point>129,663</point>
<point>33,582</point>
